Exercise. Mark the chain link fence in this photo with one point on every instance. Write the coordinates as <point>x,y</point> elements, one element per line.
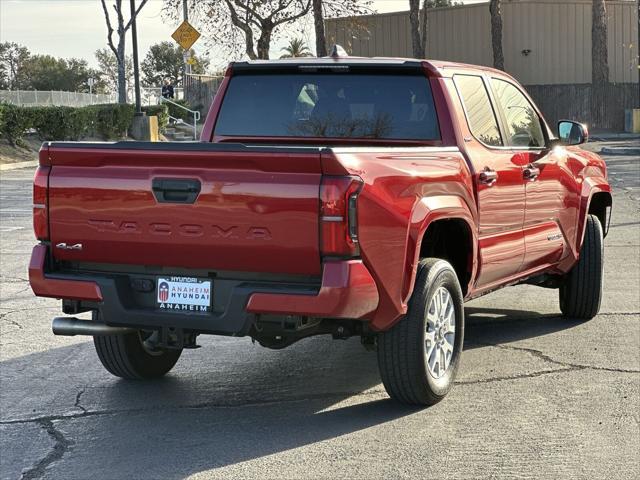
<point>34,98</point>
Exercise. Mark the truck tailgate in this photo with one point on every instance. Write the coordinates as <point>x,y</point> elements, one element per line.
<point>255,209</point>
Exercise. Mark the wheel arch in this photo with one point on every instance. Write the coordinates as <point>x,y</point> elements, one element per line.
<point>434,220</point>
<point>596,200</point>
<point>600,206</point>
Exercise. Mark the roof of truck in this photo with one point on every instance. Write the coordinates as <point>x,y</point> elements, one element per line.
<point>435,67</point>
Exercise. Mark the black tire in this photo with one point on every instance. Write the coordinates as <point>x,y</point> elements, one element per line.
<point>125,356</point>
<point>402,355</point>
<point>581,290</point>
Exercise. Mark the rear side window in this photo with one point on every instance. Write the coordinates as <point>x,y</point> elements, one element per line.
<point>480,114</point>
<point>332,105</point>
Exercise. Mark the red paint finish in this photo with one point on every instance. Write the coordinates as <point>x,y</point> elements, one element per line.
<point>56,288</point>
<point>347,291</point>
<point>260,211</point>
<point>41,203</point>
<point>253,214</point>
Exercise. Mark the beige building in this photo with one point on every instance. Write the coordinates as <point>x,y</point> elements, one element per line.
<point>546,43</point>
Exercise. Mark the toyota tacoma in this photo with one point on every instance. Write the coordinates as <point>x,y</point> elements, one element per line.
<point>345,196</point>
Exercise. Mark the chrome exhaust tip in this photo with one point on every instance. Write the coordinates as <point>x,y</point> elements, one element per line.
<point>71,326</point>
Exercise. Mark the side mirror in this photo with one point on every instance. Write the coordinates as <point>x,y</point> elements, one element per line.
<point>572,133</point>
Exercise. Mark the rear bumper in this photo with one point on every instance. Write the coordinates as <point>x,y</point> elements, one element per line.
<point>44,286</point>
<point>347,291</point>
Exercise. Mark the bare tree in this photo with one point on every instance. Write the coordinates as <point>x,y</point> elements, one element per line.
<point>122,27</point>
<point>417,43</point>
<point>248,27</point>
<point>495,9</point>
<point>419,21</point>
<point>336,9</point>
<point>599,53</point>
<point>318,24</point>
<point>250,23</point>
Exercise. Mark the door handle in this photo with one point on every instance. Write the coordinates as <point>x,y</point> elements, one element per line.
<point>531,172</point>
<point>176,190</point>
<point>488,176</point>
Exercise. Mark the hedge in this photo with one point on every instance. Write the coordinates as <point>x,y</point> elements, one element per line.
<point>160,111</point>
<point>109,121</point>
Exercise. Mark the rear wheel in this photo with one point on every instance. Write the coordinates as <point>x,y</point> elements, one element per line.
<point>419,357</point>
<point>127,356</point>
<point>581,291</point>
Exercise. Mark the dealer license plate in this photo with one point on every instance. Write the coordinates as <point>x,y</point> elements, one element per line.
<point>184,294</point>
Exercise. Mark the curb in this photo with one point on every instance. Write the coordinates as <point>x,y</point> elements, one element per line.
<point>17,165</point>
<point>620,151</point>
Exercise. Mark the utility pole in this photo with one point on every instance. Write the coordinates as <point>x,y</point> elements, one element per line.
<point>185,56</point>
<point>136,70</point>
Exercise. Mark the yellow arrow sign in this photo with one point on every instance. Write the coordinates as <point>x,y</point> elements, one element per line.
<point>186,35</point>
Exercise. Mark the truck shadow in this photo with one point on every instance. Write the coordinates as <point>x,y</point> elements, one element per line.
<point>226,404</point>
<point>490,326</point>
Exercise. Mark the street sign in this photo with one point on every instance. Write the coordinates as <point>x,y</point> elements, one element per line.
<point>186,35</point>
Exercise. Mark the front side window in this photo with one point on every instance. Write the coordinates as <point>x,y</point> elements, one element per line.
<point>523,123</point>
<point>480,115</point>
<point>330,105</point>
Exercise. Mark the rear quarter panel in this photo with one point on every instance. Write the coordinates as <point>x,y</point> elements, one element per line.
<point>405,189</point>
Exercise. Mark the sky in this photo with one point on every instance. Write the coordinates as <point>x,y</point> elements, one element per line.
<point>76,28</point>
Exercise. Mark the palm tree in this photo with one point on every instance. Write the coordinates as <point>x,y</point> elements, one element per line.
<point>496,34</point>
<point>599,62</point>
<point>296,48</point>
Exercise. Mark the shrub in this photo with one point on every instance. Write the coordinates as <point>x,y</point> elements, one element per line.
<point>111,120</point>
<point>160,111</point>
<point>61,123</point>
<point>15,122</point>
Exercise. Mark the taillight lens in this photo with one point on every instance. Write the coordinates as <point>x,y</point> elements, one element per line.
<point>338,216</point>
<point>40,203</point>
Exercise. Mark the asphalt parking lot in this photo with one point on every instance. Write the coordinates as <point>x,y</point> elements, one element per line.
<point>538,396</point>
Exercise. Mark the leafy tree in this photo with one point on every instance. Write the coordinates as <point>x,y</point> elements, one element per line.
<point>165,60</point>
<point>12,60</point>
<point>496,33</point>
<point>296,48</point>
<point>108,69</point>
<point>45,72</point>
<point>122,26</point>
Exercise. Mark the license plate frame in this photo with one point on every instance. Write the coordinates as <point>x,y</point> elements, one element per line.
<point>177,294</point>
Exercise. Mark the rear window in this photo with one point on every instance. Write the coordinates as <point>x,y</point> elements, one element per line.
<point>333,105</point>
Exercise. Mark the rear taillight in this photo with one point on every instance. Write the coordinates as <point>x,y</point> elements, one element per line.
<point>338,216</point>
<point>40,203</point>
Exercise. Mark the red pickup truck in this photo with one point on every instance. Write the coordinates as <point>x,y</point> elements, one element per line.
<point>342,196</point>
